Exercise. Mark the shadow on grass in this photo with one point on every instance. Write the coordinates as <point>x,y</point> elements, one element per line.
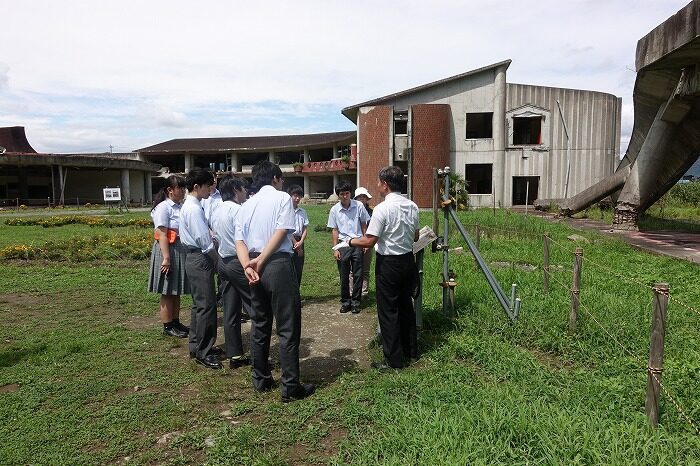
<point>9,358</point>
<point>650,223</point>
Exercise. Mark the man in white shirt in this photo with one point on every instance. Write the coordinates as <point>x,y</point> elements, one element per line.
<point>209,206</point>
<point>234,287</point>
<point>263,225</point>
<point>348,219</point>
<point>199,266</point>
<point>392,230</point>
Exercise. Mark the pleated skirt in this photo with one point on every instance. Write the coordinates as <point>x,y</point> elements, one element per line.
<point>174,283</point>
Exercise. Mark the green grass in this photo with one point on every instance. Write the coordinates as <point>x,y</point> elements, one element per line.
<point>484,391</point>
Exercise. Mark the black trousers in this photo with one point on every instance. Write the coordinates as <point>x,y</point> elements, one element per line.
<point>395,277</point>
<point>200,273</point>
<point>276,296</point>
<point>298,260</point>
<point>350,260</point>
<point>235,294</point>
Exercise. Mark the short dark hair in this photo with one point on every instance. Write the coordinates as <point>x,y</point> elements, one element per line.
<point>228,186</point>
<point>295,189</point>
<point>264,171</point>
<point>393,177</point>
<point>200,176</point>
<point>342,187</point>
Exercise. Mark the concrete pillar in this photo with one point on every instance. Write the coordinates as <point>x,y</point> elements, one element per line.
<point>307,186</point>
<point>336,181</point>
<point>306,155</point>
<point>271,156</point>
<point>234,162</point>
<point>22,184</point>
<point>499,187</point>
<point>147,187</point>
<point>126,187</point>
<point>188,162</point>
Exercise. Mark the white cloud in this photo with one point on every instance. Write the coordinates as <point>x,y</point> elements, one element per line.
<point>137,73</point>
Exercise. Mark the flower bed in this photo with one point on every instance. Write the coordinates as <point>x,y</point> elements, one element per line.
<point>84,249</point>
<point>93,221</point>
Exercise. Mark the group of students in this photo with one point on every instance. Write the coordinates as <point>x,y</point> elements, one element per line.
<point>255,242</point>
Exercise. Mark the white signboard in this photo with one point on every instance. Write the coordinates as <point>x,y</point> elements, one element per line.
<point>112,194</point>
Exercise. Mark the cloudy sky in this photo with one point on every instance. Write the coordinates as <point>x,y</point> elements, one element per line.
<point>83,75</point>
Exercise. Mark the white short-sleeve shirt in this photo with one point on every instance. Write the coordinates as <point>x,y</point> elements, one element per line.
<point>194,231</point>
<point>348,221</point>
<point>301,221</point>
<point>394,222</point>
<point>261,215</point>
<point>166,214</point>
<point>223,223</point>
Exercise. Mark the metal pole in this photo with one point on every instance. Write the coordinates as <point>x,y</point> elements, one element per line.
<point>575,289</point>
<point>568,150</point>
<point>545,268</point>
<point>527,194</point>
<point>418,302</point>
<point>445,251</point>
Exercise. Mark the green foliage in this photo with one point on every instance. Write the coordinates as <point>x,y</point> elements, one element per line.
<point>84,249</point>
<point>459,191</point>
<point>687,194</point>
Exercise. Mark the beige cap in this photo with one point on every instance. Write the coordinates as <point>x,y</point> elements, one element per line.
<point>360,191</point>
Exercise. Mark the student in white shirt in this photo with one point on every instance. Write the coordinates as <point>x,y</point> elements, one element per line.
<point>235,290</point>
<point>167,266</point>
<point>199,265</point>
<point>393,230</point>
<point>301,223</point>
<point>263,225</point>
<point>348,219</point>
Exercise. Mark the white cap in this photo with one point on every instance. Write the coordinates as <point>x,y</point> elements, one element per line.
<point>360,191</point>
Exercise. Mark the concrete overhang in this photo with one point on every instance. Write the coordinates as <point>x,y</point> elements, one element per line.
<point>76,161</point>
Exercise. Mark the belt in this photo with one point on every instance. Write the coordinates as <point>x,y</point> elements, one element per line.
<point>253,255</point>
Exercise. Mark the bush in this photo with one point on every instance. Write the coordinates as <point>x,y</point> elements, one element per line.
<point>85,249</point>
<point>50,222</point>
<point>685,194</point>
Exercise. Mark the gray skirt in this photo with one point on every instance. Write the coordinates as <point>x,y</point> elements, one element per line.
<point>175,283</point>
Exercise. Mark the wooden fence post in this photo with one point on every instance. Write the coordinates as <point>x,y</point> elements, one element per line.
<point>477,238</point>
<point>575,289</point>
<point>546,262</point>
<point>656,352</point>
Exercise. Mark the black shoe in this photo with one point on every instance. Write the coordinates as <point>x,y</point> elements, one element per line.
<point>182,327</point>
<point>216,351</point>
<point>267,387</point>
<point>344,309</point>
<point>383,367</point>
<point>175,332</point>
<point>210,362</point>
<point>239,361</point>
<point>244,317</point>
<point>301,392</point>
<point>355,310</point>
<point>192,355</point>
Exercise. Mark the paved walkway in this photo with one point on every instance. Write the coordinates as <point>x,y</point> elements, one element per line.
<point>667,243</point>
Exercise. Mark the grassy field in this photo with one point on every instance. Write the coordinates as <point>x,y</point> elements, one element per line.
<point>85,377</point>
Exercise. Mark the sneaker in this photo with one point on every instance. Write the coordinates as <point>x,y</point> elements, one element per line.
<point>182,327</point>
<point>238,361</point>
<point>355,310</point>
<point>173,331</point>
<point>344,309</point>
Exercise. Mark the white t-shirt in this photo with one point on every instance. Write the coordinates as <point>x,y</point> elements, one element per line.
<point>394,222</point>
<point>261,215</point>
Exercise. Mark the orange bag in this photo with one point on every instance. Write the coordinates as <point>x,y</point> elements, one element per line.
<point>171,235</point>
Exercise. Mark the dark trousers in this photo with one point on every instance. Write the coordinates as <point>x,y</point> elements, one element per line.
<point>200,273</point>
<point>394,277</point>
<point>350,261</point>
<point>298,260</point>
<point>276,296</point>
<point>235,294</point>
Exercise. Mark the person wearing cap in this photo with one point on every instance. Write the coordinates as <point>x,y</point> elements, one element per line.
<point>363,196</point>
<point>348,219</point>
<point>393,229</point>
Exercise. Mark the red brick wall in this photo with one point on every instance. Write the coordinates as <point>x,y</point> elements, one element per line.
<point>373,138</point>
<point>430,142</point>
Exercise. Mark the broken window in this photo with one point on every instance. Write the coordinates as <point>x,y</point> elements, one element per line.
<point>478,177</point>
<point>527,130</point>
<point>401,123</point>
<point>480,125</point>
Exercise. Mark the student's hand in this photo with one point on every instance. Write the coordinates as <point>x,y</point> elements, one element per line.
<point>165,266</point>
<point>251,272</point>
<point>297,245</point>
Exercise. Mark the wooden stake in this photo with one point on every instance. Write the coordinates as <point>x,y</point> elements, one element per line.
<point>575,289</point>
<point>477,238</point>
<point>546,263</point>
<point>656,352</point>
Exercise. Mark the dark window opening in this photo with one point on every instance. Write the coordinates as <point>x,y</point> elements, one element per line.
<point>525,189</point>
<point>478,177</point>
<point>480,125</point>
<point>400,123</point>
<point>527,130</point>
